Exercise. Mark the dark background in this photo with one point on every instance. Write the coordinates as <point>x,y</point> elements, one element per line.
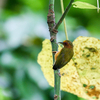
<point>23,27</point>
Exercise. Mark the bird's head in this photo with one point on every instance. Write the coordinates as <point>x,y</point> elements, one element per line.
<point>67,44</point>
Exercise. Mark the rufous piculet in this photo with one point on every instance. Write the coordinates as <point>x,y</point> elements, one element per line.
<point>63,56</point>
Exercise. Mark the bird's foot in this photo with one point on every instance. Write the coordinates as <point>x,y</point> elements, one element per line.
<point>54,51</point>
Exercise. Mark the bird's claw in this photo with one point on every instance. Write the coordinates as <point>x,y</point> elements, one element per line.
<point>54,51</point>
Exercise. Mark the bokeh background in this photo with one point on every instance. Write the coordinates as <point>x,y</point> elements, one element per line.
<point>23,27</point>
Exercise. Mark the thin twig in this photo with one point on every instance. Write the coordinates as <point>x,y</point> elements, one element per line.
<point>64,14</point>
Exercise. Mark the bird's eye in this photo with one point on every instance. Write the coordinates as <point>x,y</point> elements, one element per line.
<point>65,43</point>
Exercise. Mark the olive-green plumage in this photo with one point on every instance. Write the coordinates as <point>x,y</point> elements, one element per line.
<point>64,55</point>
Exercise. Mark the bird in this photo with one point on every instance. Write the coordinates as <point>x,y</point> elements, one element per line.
<point>63,56</point>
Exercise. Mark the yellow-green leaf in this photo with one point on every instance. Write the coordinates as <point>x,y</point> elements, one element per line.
<point>83,5</point>
<point>81,76</point>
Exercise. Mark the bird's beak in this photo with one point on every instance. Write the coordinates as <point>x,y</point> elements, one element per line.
<point>60,42</point>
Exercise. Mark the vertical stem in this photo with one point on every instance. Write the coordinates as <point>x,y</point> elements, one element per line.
<point>98,6</point>
<point>64,21</point>
<point>57,91</point>
<point>53,32</point>
<point>51,24</point>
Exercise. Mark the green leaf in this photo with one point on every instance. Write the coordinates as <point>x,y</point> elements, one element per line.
<point>83,5</point>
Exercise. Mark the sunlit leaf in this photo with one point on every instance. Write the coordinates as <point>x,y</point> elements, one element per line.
<point>81,75</point>
<point>83,5</point>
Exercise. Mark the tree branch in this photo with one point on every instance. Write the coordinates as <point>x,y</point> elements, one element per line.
<point>51,24</point>
<point>53,32</point>
<point>64,14</point>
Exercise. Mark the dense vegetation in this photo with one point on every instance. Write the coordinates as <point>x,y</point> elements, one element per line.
<point>23,27</point>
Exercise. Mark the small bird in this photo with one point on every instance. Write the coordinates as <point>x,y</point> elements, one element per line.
<point>63,56</point>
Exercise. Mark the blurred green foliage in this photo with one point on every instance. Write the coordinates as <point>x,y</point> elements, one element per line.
<point>23,27</point>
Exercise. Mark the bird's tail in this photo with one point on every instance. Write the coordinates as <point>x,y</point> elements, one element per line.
<point>54,67</point>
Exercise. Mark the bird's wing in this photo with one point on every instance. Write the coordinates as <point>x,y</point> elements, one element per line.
<point>64,57</point>
<point>60,58</point>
